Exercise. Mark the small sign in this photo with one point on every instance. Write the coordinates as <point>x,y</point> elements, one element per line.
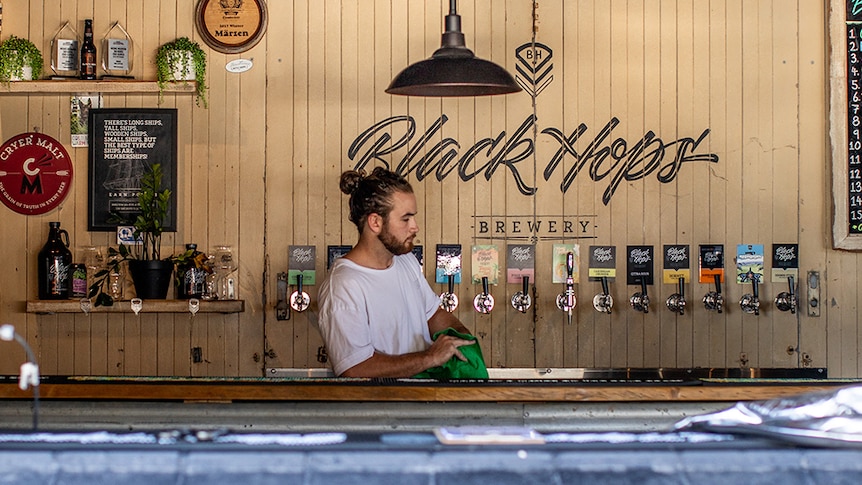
<point>785,262</point>
<point>486,263</point>
<point>749,263</point>
<point>448,263</point>
<point>677,263</point>
<point>559,256</point>
<point>711,262</point>
<point>35,173</point>
<point>639,265</point>
<point>520,262</point>
<point>231,26</point>
<point>419,254</point>
<point>118,55</point>
<point>79,116</point>
<point>301,262</point>
<point>603,262</point>
<point>66,55</point>
<point>238,66</point>
<point>335,252</point>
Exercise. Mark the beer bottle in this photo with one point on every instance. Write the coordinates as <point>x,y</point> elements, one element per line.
<point>88,52</point>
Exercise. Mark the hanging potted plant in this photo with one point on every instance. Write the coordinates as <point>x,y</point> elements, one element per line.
<point>182,60</point>
<point>20,60</point>
<point>151,274</point>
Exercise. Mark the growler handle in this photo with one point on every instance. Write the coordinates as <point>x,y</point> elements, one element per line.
<point>64,237</point>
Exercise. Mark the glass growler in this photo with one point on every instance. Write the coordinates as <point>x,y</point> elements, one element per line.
<point>191,276</point>
<point>55,265</point>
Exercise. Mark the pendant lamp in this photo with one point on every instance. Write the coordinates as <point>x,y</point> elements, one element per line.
<point>453,69</point>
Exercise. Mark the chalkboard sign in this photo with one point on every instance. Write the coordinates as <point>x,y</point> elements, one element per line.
<point>124,142</point>
<point>845,27</point>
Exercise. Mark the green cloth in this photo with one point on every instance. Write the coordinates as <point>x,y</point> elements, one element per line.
<point>456,368</point>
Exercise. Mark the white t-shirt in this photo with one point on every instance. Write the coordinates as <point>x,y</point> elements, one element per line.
<point>363,310</point>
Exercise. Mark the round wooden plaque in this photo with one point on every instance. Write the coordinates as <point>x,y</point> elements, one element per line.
<point>231,26</point>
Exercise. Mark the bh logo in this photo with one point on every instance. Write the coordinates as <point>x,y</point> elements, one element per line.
<point>534,66</point>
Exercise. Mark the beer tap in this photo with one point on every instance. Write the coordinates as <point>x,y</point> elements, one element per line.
<point>786,300</point>
<point>448,299</point>
<point>713,299</point>
<point>521,300</point>
<point>676,302</point>
<point>750,302</point>
<point>566,301</point>
<point>299,300</point>
<point>640,301</point>
<point>603,302</point>
<point>484,302</point>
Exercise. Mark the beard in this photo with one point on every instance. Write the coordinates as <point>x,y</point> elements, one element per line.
<point>394,246</point>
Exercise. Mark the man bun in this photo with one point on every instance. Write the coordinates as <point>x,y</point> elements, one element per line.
<point>350,180</point>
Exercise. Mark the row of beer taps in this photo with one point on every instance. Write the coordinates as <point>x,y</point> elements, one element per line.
<point>640,301</point>
<point>566,301</point>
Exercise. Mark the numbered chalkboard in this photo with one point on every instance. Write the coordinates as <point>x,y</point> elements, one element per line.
<point>846,124</point>
<point>124,143</point>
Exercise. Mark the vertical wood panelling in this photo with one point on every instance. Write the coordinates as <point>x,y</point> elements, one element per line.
<point>259,171</point>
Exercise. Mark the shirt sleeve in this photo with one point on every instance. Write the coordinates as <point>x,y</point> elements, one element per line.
<point>345,329</point>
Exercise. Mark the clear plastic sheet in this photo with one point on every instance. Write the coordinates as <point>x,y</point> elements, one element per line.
<point>824,419</point>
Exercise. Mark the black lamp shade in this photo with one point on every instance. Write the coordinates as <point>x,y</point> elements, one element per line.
<point>453,76</point>
<point>453,70</point>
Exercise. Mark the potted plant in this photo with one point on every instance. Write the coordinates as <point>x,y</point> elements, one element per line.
<point>19,60</point>
<point>151,274</point>
<point>182,60</point>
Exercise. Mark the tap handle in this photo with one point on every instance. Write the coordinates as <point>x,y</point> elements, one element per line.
<point>643,285</point>
<point>681,287</point>
<point>299,283</point>
<point>570,264</point>
<point>791,286</point>
<point>754,285</point>
<point>717,279</point>
<point>485,285</point>
<point>526,285</point>
<point>605,285</point>
<point>451,283</point>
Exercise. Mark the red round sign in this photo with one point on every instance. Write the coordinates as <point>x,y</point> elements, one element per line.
<point>35,173</point>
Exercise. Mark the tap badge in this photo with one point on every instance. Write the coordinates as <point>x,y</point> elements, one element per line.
<point>534,66</point>
<point>35,173</point>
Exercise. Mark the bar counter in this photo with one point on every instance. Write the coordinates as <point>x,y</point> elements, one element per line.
<point>509,385</point>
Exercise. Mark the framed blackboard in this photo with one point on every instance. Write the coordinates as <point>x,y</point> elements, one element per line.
<point>124,142</point>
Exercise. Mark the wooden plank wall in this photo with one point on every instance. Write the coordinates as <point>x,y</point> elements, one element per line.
<point>259,171</point>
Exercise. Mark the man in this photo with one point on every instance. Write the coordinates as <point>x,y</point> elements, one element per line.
<point>377,311</point>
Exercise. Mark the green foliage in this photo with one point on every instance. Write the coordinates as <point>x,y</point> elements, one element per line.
<point>153,202</point>
<point>175,52</point>
<point>15,53</point>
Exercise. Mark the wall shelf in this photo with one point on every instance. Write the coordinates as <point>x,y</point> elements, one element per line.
<point>124,306</point>
<point>78,86</point>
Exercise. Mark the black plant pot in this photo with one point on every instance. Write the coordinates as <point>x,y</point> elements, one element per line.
<point>152,279</point>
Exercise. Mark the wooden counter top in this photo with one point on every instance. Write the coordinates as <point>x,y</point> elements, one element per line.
<point>393,390</point>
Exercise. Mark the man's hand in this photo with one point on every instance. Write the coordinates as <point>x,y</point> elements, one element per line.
<point>444,348</point>
<point>408,365</point>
